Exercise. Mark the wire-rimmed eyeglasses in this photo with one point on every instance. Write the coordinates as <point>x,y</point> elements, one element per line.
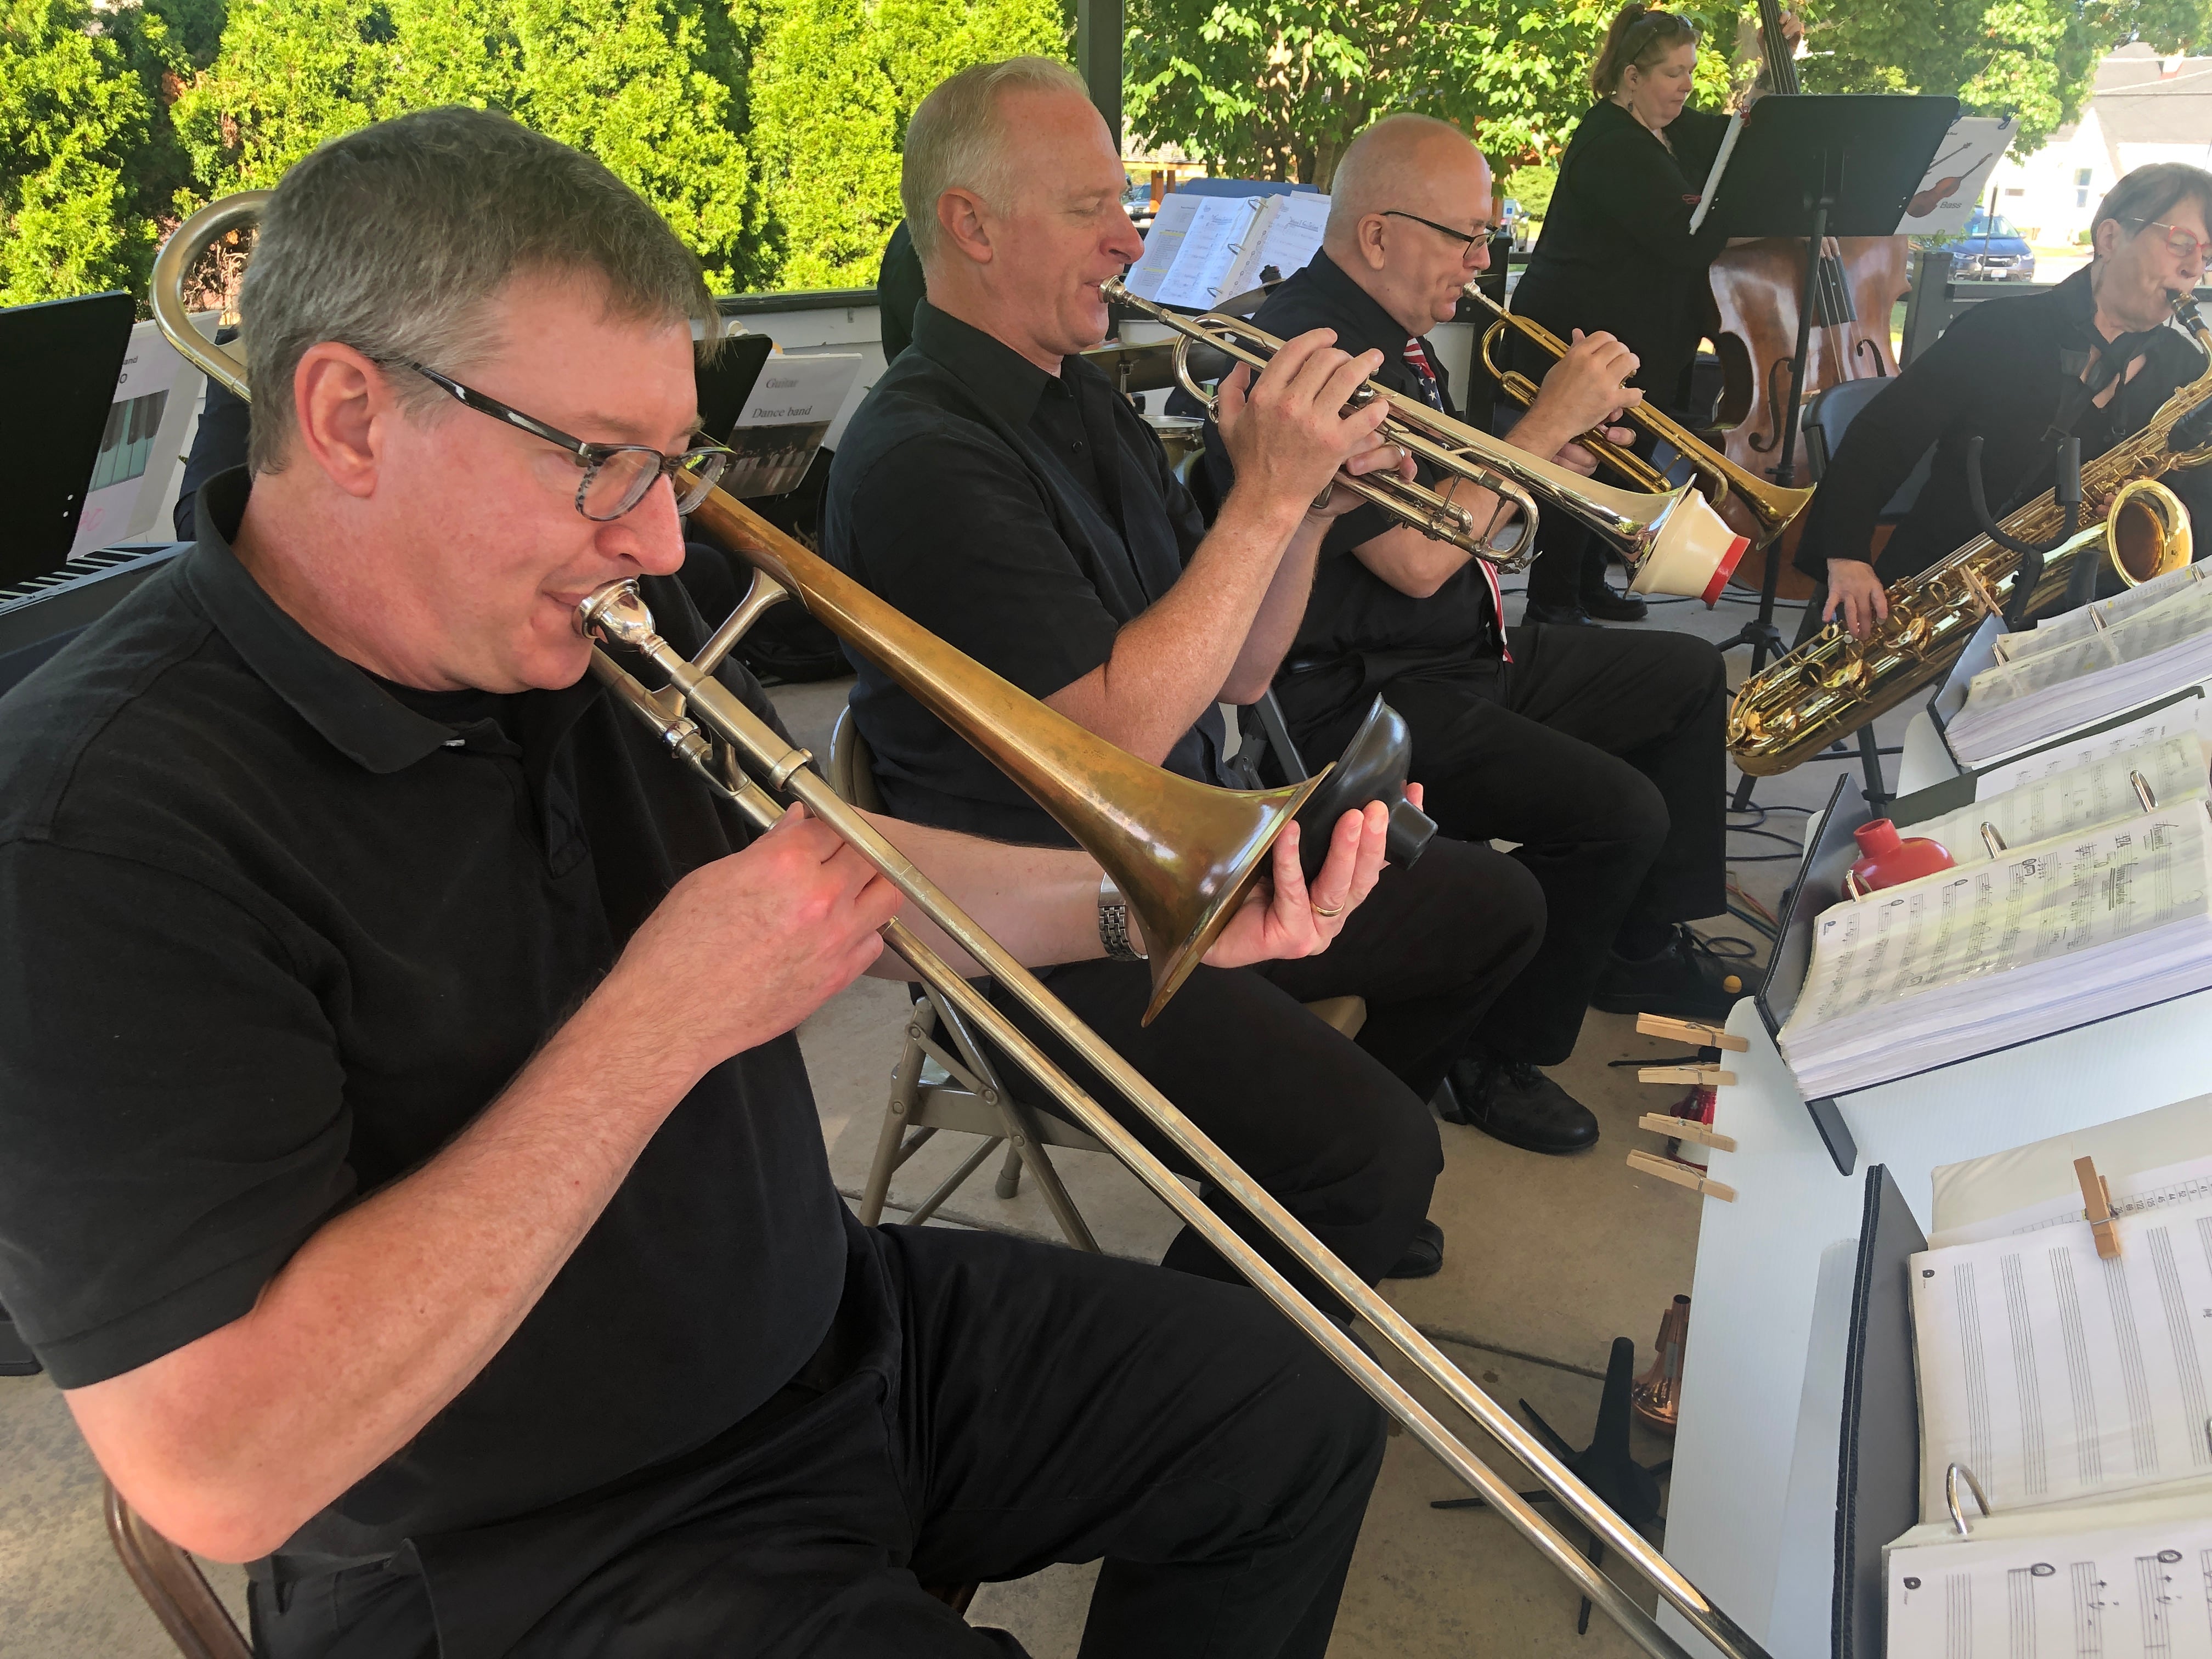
<point>616,476</point>
<point>1468,240</point>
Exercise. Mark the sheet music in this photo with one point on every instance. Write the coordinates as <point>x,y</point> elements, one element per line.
<point>2064,801</point>
<point>1162,242</point>
<point>2128,1593</point>
<point>1209,249</point>
<point>2135,1193</point>
<point>2054,1373</point>
<point>1713,178</point>
<point>2093,619</point>
<point>1286,234</point>
<point>2055,934</point>
<point>2169,721</point>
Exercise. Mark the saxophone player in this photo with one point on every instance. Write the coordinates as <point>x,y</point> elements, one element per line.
<point>2094,358</point>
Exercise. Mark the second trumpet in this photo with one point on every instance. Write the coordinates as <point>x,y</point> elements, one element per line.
<point>1673,541</point>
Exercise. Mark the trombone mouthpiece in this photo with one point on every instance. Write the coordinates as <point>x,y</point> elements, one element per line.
<point>615,613</point>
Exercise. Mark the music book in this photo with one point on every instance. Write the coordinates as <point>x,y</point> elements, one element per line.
<point>2111,661</point>
<point>2148,1161</point>
<point>2122,1581</point>
<point>785,419</point>
<point>2066,799</point>
<point>1202,248</point>
<point>2055,933</point>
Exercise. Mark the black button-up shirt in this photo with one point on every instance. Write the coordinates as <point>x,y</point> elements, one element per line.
<point>2008,372</point>
<point>274,933</point>
<point>1353,612</point>
<point>1023,517</point>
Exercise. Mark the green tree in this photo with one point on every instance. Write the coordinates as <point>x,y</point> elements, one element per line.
<point>73,115</point>
<point>834,83</point>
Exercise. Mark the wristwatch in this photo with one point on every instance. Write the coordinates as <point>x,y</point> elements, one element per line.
<point>1113,931</point>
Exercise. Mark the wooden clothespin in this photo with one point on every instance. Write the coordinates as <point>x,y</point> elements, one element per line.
<point>1683,1031</point>
<point>1980,590</point>
<point>1705,1077</point>
<point>2097,1208</point>
<point>1682,1175</point>
<point>1686,1129</point>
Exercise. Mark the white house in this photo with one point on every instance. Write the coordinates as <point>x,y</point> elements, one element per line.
<point>2145,108</point>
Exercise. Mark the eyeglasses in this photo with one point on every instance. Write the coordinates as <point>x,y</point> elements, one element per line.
<point>1468,240</point>
<point>616,476</point>
<point>2182,244</point>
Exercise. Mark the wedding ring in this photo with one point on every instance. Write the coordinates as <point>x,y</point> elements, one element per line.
<point>1324,910</point>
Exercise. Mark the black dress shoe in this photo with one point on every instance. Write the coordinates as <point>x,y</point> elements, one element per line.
<point>1686,980</point>
<point>1602,603</point>
<point>1425,1257</point>
<point>1511,1101</point>
<point>1558,616</point>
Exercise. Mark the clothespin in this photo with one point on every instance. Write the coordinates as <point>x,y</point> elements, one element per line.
<point>1682,1175</point>
<point>1980,590</point>
<point>1683,1031</point>
<point>2097,1208</point>
<point>1686,1129</point>
<point>1705,1077</point>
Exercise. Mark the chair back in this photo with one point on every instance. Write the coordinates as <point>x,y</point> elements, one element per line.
<point>176,1591</point>
<point>1829,417</point>
<point>852,768</point>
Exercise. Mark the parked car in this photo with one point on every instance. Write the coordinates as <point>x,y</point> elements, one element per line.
<point>1992,250</point>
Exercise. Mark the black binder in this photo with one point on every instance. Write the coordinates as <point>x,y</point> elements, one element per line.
<point>1878,1463</point>
<point>1819,885</point>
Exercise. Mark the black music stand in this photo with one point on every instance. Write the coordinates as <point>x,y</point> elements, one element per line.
<point>1817,166</point>
<point>64,356</point>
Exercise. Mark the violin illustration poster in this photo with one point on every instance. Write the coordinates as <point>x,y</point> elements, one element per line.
<point>1959,177</point>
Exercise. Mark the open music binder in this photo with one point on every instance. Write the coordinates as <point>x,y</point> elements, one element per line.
<point>1878,1465</point>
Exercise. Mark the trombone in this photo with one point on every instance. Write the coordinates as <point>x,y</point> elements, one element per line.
<point>1768,502</point>
<point>1131,816</point>
<point>1669,535</point>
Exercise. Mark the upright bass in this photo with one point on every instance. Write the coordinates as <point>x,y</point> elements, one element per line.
<point>1756,290</point>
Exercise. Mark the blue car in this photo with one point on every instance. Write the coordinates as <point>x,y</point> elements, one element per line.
<point>1992,250</point>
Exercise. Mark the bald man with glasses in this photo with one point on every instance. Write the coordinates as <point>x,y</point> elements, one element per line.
<point>1598,752</point>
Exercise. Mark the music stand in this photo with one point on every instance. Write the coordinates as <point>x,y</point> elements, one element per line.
<point>1816,167</point>
<point>71,350</point>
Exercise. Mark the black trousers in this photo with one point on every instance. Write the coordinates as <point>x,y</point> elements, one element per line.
<point>1340,1133</point>
<point>1598,751</point>
<point>984,1406</point>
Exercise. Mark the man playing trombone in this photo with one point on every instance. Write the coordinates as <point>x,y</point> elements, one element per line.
<point>1598,752</point>
<point>411,1175</point>
<point>994,488</point>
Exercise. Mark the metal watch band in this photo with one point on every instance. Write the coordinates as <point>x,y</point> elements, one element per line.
<point>1114,923</point>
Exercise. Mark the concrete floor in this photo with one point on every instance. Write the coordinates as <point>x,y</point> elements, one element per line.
<point>1548,1260</point>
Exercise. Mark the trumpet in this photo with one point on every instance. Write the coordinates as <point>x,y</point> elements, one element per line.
<point>1673,541</point>
<point>1719,478</point>
<point>1183,850</point>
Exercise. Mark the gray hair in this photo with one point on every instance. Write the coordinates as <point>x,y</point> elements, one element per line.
<point>397,239</point>
<point>2150,193</point>
<point>957,140</point>
<point>1373,166</point>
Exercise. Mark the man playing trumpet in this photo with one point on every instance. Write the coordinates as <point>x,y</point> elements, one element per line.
<point>996,489</point>
<point>1598,752</point>
<point>412,1178</point>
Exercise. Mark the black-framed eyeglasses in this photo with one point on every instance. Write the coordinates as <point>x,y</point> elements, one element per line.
<point>1467,241</point>
<point>616,476</point>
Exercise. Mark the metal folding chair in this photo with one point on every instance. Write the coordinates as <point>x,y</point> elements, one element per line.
<point>175,1589</point>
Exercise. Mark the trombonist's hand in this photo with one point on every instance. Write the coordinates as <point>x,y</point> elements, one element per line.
<point>1287,431</point>
<point>1283,920</point>
<point>1854,590</point>
<point>743,949</point>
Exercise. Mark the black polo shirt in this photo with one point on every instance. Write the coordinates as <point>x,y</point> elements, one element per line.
<point>1353,612</point>
<point>2009,373</point>
<point>1020,516</point>
<point>274,933</point>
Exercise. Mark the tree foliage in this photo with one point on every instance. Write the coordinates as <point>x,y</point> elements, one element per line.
<point>74,113</point>
<point>1275,88</point>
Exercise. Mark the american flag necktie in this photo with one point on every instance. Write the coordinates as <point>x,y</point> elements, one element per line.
<point>1417,359</point>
